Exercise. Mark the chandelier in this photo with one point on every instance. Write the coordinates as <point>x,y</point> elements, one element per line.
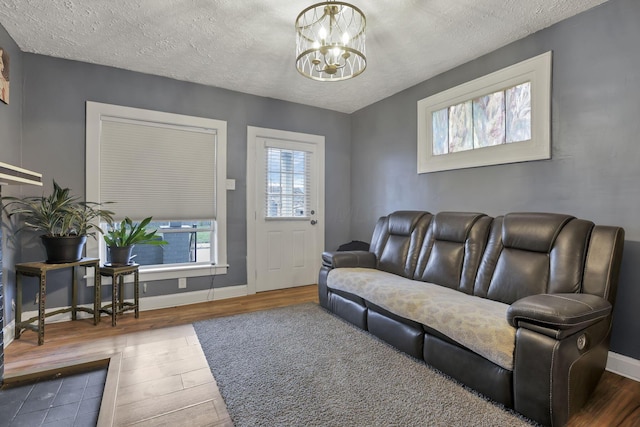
<point>330,41</point>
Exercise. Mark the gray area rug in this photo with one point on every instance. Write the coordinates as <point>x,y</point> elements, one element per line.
<point>303,366</point>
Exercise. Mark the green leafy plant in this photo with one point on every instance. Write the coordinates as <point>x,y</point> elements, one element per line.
<point>58,215</point>
<point>126,233</point>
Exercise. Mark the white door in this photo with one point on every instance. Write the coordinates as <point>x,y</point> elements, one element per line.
<point>288,220</point>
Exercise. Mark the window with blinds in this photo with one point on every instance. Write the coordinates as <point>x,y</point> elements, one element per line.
<point>168,172</point>
<point>287,183</point>
<point>168,166</point>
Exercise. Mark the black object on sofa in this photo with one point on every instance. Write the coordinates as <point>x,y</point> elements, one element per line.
<point>517,307</point>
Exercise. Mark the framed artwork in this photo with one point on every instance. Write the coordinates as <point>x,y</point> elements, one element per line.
<point>503,117</point>
<point>4,76</point>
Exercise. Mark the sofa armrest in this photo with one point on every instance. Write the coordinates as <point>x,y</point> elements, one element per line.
<point>562,343</point>
<point>558,315</point>
<point>341,259</point>
<point>349,259</point>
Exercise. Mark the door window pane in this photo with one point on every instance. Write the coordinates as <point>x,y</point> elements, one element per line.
<point>287,183</point>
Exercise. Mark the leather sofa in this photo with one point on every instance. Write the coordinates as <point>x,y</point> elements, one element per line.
<point>517,307</point>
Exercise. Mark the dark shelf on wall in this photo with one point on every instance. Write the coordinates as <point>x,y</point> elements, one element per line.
<point>10,174</point>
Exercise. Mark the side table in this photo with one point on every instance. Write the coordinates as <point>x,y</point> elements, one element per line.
<point>118,304</point>
<point>39,269</point>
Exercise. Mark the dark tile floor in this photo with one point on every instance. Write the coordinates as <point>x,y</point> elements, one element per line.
<point>73,400</point>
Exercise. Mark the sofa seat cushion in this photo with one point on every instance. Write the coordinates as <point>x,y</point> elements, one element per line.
<point>476,323</point>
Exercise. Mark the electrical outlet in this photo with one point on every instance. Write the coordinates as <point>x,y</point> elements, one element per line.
<point>182,283</point>
<point>144,288</point>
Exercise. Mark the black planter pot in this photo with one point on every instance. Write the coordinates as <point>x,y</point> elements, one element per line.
<point>120,255</point>
<point>62,249</point>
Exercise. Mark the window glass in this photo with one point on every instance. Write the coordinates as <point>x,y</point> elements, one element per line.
<point>518,102</point>
<point>488,120</point>
<point>460,127</point>
<point>187,242</point>
<point>288,181</point>
<point>497,118</point>
<point>441,132</point>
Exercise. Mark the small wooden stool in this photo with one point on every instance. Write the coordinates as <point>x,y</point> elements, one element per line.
<point>39,269</point>
<point>118,304</point>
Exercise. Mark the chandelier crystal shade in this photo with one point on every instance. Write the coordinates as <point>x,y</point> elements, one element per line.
<point>330,39</point>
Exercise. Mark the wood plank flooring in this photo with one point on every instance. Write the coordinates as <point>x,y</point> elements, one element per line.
<point>165,380</point>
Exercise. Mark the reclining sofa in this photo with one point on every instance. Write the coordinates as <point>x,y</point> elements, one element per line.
<point>517,307</point>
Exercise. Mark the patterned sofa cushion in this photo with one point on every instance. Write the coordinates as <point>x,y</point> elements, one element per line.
<point>476,323</point>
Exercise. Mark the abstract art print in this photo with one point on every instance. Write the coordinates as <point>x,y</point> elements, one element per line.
<point>4,75</point>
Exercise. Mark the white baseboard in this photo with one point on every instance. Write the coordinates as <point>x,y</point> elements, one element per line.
<point>195,297</point>
<point>146,303</point>
<point>623,365</point>
<point>7,333</point>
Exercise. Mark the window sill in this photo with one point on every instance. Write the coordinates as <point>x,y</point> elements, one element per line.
<point>150,274</point>
<point>177,271</point>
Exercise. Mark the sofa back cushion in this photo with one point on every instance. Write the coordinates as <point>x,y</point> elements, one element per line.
<point>397,239</point>
<point>533,253</point>
<point>452,250</point>
<point>603,262</point>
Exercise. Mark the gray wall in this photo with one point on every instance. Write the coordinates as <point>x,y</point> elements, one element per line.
<point>54,144</point>
<point>593,173</point>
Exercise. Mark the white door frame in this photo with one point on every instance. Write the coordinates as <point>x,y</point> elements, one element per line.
<point>252,134</point>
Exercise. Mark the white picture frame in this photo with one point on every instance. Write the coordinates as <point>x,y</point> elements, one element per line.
<point>537,71</point>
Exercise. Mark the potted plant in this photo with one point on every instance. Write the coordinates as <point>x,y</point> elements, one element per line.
<point>65,220</point>
<point>122,237</point>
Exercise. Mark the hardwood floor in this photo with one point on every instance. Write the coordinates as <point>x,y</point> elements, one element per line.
<point>62,339</point>
<point>165,378</point>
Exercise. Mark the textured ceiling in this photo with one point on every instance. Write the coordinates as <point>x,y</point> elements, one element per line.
<point>249,45</point>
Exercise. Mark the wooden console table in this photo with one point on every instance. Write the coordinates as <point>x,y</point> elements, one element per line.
<point>40,270</point>
<point>118,304</point>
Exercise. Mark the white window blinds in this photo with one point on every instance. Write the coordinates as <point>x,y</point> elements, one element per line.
<point>165,171</point>
<point>288,183</point>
